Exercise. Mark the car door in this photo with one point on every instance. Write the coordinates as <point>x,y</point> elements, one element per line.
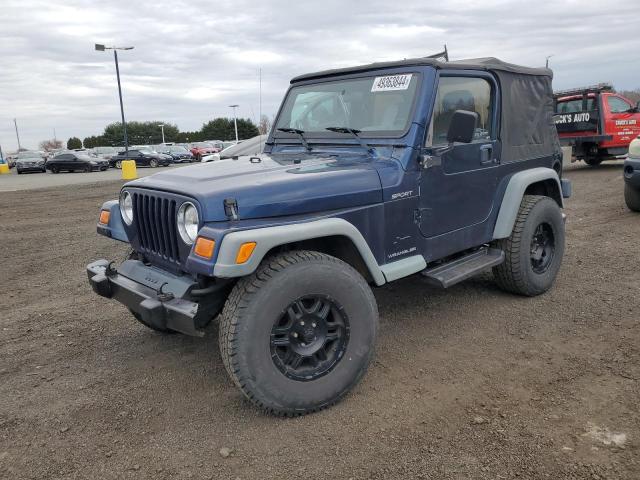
<point>623,119</point>
<point>63,161</point>
<point>458,182</point>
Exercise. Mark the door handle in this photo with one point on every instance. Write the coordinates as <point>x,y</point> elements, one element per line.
<point>486,154</point>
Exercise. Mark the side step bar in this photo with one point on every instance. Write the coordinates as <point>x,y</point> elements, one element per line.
<point>447,274</point>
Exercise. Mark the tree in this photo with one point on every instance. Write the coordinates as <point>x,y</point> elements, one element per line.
<point>224,129</point>
<point>141,133</point>
<point>73,143</point>
<point>48,145</point>
<point>633,95</point>
<point>265,125</point>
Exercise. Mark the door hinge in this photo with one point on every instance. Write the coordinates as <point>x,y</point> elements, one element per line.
<point>417,216</point>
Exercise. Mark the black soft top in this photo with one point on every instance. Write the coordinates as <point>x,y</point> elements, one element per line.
<point>486,64</point>
<point>527,129</point>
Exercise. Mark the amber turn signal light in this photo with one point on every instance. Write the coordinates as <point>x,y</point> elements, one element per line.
<point>104,217</point>
<point>204,247</point>
<point>245,251</point>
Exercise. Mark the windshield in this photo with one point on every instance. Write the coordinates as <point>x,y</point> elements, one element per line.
<point>103,150</point>
<point>24,155</point>
<point>379,104</point>
<point>177,149</point>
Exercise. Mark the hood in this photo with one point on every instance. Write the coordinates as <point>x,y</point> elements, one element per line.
<point>273,185</point>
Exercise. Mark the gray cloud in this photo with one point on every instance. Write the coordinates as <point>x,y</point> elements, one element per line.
<point>192,59</point>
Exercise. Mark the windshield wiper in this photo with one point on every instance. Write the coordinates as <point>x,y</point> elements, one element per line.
<point>353,132</point>
<point>297,132</point>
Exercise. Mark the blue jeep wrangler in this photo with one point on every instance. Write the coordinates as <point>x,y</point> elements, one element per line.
<point>371,174</point>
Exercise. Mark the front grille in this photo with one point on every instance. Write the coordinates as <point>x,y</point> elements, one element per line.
<point>155,223</point>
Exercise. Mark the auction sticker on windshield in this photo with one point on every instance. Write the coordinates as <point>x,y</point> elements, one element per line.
<point>391,82</point>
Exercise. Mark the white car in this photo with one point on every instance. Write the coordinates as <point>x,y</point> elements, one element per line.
<point>252,146</point>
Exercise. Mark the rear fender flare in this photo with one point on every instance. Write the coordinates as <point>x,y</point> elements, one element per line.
<point>516,188</point>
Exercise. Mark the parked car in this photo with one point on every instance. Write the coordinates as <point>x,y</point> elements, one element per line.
<point>632,176</point>
<point>105,152</point>
<point>252,146</point>
<point>444,169</point>
<point>177,153</point>
<point>199,149</point>
<point>596,122</point>
<point>76,161</point>
<point>143,158</point>
<point>30,162</point>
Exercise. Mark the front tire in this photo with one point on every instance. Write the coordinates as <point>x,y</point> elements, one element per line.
<point>119,164</point>
<point>534,251</point>
<point>299,333</point>
<point>153,163</point>
<point>632,198</point>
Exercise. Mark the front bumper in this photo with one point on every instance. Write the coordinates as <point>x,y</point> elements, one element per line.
<point>31,168</point>
<point>632,172</point>
<point>160,298</point>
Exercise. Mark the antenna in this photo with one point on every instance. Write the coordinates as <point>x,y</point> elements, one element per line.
<point>444,54</point>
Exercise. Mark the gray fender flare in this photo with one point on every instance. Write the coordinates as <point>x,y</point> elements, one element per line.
<point>518,183</point>
<point>115,229</point>
<point>270,237</point>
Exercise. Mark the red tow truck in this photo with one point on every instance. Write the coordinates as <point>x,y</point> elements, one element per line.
<point>596,122</point>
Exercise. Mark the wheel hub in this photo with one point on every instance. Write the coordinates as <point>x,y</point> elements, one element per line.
<point>309,338</point>
<point>542,248</point>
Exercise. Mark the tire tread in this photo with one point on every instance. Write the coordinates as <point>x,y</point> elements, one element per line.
<point>239,300</point>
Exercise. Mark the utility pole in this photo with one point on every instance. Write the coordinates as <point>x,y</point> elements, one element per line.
<point>162,127</point>
<point>17,134</point>
<point>235,120</point>
<point>102,48</point>
<point>55,138</point>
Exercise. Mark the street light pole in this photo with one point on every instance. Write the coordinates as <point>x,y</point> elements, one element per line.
<point>162,127</point>
<point>235,120</point>
<point>102,48</point>
<point>17,134</point>
<point>547,62</point>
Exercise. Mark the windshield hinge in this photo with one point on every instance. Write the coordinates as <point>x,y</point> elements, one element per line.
<point>231,208</point>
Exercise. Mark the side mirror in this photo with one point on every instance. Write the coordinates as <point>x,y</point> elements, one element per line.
<point>462,127</point>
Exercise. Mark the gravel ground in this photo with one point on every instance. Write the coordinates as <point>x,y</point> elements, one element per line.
<point>468,383</point>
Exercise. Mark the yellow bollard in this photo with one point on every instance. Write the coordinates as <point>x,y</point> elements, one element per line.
<point>4,168</point>
<point>129,170</point>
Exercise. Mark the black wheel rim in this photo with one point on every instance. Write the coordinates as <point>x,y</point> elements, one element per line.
<point>542,248</point>
<point>309,338</point>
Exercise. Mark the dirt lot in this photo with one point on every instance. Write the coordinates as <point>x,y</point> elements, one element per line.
<point>468,383</point>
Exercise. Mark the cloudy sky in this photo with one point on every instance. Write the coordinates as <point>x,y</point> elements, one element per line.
<point>194,58</point>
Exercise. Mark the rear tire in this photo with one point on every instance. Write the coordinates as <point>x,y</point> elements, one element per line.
<point>593,161</point>
<point>153,163</point>
<point>534,251</point>
<point>119,164</point>
<point>299,333</point>
<point>55,169</point>
<point>632,198</point>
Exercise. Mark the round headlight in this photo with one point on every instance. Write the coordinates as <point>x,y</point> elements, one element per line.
<point>188,222</point>
<point>126,207</point>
